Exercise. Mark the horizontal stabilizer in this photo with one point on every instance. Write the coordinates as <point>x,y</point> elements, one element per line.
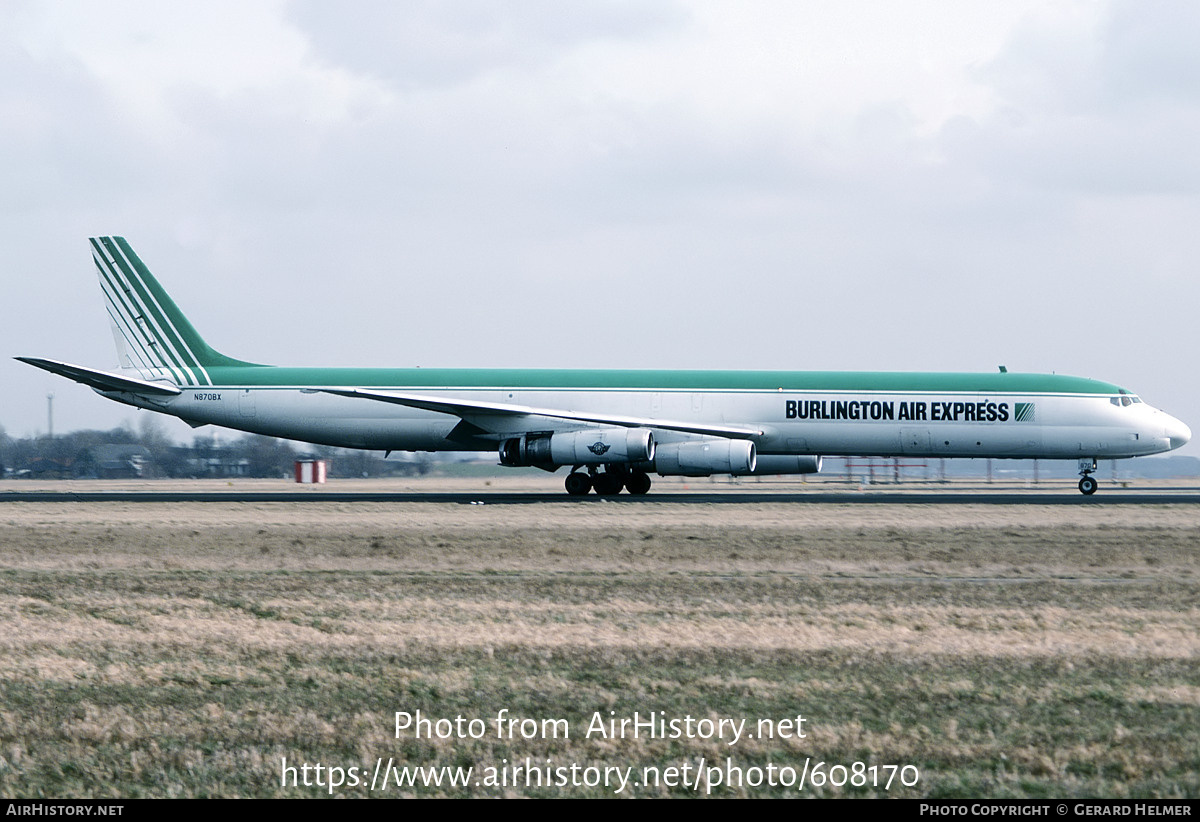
<point>475,410</point>
<point>102,380</point>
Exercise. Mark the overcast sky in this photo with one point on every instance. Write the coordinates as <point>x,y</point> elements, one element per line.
<point>936,186</point>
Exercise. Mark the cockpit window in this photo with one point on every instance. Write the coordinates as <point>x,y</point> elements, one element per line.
<point>1124,399</point>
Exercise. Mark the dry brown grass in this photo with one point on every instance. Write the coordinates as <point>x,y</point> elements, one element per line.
<point>182,649</point>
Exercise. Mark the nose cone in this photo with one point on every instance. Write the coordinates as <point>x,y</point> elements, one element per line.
<point>1178,433</point>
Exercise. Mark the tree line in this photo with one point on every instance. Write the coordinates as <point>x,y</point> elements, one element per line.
<point>149,452</point>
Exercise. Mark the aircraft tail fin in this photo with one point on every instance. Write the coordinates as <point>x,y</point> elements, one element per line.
<point>153,336</point>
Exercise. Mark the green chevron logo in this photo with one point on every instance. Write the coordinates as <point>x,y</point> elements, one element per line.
<point>1024,411</point>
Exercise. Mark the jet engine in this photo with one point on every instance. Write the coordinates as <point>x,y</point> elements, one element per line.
<point>700,458</point>
<point>596,446</point>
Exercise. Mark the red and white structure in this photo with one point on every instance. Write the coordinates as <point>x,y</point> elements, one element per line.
<point>308,471</point>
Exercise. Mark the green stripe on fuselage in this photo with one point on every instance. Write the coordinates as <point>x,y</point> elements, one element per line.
<point>657,380</point>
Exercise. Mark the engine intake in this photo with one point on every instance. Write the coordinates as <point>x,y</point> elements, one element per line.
<point>596,446</point>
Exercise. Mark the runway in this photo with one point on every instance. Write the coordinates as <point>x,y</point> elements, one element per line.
<point>1155,496</point>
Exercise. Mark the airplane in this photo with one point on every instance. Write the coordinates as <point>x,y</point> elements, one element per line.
<point>611,428</point>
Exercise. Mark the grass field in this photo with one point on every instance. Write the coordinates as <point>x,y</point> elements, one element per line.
<point>186,650</point>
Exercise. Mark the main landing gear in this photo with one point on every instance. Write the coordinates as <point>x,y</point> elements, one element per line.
<point>1087,483</point>
<point>578,483</point>
<point>609,482</point>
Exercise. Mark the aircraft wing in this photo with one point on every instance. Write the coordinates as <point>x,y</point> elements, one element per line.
<point>475,409</point>
<point>102,380</point>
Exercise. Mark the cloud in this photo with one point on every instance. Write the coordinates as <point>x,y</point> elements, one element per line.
<point>1098,106</point>
<point>783,185</point>
<point>431,45</point>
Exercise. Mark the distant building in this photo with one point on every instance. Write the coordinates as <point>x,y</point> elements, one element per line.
<point>209,461</point>
<point>48,468</point>
<point>114,462</point>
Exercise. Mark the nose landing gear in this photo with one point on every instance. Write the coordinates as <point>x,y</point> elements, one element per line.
<point>1087,483</point>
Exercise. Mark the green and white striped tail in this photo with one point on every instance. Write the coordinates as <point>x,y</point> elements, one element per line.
<point>152,335</point>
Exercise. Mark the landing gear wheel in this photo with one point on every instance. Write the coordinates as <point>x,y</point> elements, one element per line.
<point>607,484</point>
<point>1088,485</point>
<point>578,483</point>
<point>638,483</point>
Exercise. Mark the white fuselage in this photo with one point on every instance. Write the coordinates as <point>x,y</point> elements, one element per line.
<point>945,424</point>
